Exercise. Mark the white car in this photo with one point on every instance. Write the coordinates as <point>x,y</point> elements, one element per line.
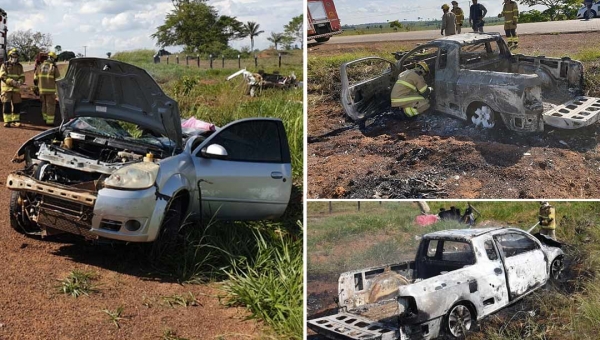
<point>595,11</point>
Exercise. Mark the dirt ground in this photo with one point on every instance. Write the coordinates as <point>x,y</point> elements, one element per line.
<point>436,156</point>
<point>31,306</point>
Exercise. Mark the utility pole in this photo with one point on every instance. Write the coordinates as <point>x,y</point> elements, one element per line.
<point>85,51</point>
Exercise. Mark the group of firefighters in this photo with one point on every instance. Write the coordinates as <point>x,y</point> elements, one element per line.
<point>12,77</point>
<point>410,94</point>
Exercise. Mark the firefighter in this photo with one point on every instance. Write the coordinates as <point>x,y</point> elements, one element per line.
<point>510,12</point>
<point>460,16</point>
<point>411,93</point>
<point>12,77</point>
<point>45,79</point>
<point>547,219</point>
<point>448,21</point>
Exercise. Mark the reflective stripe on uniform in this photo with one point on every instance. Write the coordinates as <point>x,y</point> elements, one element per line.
<point>50,76</point>
<point>407,99</point>
<point>407,84</point>
<point>508,21</point>
<point>422,89</point>
<point>411,111</point>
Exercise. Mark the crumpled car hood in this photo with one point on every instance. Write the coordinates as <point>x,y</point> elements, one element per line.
<point>96,87</point>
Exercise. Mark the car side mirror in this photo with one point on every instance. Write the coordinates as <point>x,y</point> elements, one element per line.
<point>214,151</point>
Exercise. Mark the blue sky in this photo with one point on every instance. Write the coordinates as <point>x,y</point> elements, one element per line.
<point>360,11</point>
<point>111,26</point>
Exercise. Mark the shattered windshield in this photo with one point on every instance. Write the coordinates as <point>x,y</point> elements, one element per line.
<point>120,130</point>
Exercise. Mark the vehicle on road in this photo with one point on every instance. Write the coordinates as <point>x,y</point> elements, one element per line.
<point>476,78</point>
<point>323,20</point>
<point>120,168</point>
<point>457,278</point>
<point>595,11</point>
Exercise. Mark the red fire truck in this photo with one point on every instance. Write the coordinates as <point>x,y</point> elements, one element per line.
<point>3,34</point>
<point>323,21</point>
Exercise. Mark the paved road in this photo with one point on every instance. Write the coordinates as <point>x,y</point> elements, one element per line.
<point>569,26</point>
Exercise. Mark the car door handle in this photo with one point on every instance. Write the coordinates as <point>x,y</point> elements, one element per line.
<point>276,175</point>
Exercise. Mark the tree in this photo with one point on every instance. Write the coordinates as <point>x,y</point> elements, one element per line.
<point>276,38</point>
<point>66,56</point>
<point>396,25</point>
<point>57,49</point>
<point>556,9</point>
<point>198,27</point>
<point>252,30</point>
<point>28,43</point>
<point>295,29</point>
<point>108,54</point>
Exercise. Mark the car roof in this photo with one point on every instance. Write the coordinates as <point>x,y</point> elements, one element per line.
<point>468,38</point>
<point>467,234</point>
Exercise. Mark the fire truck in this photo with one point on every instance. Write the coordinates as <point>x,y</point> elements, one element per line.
<point>323,21</point>
<point>3,35</point>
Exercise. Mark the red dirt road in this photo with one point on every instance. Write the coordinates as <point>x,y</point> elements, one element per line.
<point>31,306</point>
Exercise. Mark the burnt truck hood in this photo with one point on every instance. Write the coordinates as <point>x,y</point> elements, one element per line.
<point>106,88</point>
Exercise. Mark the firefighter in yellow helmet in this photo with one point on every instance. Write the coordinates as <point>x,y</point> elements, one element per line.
<point>547,219</point>
<point>510,12</point>
<point>45,79</point>
<point>11,77</point>
<point>411,93</point>
<point>460,16</point>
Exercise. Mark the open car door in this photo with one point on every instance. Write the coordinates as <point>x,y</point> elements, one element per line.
<point>366,86</point>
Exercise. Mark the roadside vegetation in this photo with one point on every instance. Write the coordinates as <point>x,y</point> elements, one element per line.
<point>259,263</point>
<point>385,233</point>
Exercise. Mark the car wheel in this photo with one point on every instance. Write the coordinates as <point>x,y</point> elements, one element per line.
<point>484,116</point>
<point>169,229</point>
<point>593,14</point>
<point>19,220</point>
<point>556,268</point>
<point>322,40</point>
<point>459,321</point>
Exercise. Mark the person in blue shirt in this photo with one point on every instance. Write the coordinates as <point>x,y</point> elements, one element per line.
<point>588,13</point>
<point>476,15</point>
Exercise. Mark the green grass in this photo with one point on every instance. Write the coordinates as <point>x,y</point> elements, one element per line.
<point>260,262</point>
<point>78,283</point>
<point>180,300</point>
<point>567,311</point>
<point>115,315</point>
<point>171,335</point>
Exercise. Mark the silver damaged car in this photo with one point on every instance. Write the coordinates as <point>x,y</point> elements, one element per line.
<point>120,168</point>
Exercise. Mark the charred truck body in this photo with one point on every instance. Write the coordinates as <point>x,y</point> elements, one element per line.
<point>3,36</point>
<point>323,21</point>
<point>476,78</point>
<point>457,278</point>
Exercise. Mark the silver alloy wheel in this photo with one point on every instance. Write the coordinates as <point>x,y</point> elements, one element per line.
<point>556,268</point>
<point>459,320</point>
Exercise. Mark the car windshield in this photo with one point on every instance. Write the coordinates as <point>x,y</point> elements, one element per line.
<point>120,130</point>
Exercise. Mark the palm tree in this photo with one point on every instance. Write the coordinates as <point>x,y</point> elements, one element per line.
<point>275,38</point>
<point>251,29</point>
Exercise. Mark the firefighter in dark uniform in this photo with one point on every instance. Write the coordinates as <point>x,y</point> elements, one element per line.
<point>510,12</point>
<point>11,77</point>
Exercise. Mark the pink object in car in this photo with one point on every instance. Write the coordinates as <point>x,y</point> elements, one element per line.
<point>425,220</point>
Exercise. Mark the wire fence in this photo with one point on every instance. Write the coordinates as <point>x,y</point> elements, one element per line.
<point>221,62</point>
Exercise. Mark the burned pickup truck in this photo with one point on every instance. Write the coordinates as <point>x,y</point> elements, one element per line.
<point>476,78</point>
<point>119,167</point>
<point>457,278</point>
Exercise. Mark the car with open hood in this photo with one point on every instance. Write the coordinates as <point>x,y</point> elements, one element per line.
<point>120,168</point>
<point>457,278</point>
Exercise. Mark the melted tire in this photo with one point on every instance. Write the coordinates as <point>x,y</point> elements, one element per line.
<point>18,220</point>
<point>168,234</point>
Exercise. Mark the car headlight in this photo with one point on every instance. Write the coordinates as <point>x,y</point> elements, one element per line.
<point>136,176</point>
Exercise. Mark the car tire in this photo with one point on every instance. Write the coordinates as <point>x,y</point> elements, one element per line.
<point>322,40</point>
<point>168,233</point>
<point>459,321</point>
<point>483,116</point>
<point>593,13</point>
<point>18,220</point>
<point>556,268</point>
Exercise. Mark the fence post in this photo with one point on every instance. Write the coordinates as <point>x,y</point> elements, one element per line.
<point>239,61</point>
<point>330,207</point>
<point>198,61</point>
<point>177,59</point>
<point>167,60</point>
<point>279,60</point>
<point>211,60</point>
<point>222,61</point>
<point>187,63</point>
<point>255,60</point>
<point>358,205</point>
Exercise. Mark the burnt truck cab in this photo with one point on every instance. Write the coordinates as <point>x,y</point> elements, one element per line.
<point>457,278</point>
<point>476,78</point>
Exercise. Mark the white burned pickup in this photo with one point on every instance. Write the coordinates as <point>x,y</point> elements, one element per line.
<point>577,113</point>
<point>345,326</point>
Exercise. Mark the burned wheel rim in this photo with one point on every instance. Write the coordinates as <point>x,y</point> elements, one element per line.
<point>459,320</point>
<point>484,116</point>
<point>556,268</point>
